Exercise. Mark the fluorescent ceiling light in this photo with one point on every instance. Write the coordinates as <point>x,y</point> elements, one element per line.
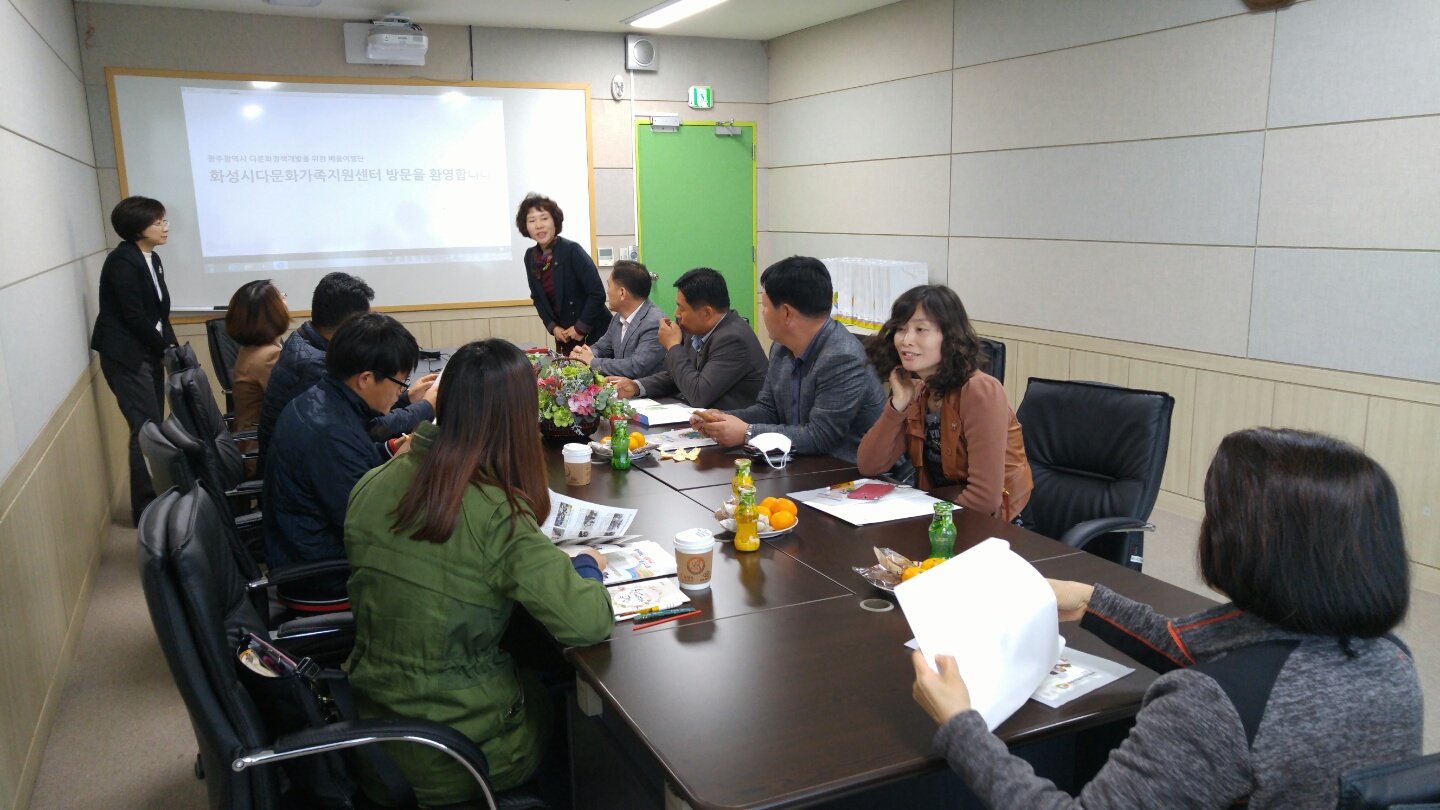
<point>669,12</point>
<point>263,85</point>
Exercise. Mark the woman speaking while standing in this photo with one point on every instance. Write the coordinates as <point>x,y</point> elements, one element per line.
<point>133,328</point>
<point>564,283</point>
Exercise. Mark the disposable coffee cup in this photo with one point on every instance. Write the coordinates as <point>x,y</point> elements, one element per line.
<point>577,464</point>
<point>695,558</point>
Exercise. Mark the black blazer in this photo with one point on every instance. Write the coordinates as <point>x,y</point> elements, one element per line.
<point>577,288</point>
<point>125,328</point>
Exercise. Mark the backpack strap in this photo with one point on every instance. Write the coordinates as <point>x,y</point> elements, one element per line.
<point>1247,675</point>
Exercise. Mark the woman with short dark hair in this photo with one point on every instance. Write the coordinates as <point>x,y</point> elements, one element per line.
<point>951,419</point>
<point>564,284</point>
<point>132,330</point>
<point>1267,700</point>
<point>256,318</point>
<point>443,543</point>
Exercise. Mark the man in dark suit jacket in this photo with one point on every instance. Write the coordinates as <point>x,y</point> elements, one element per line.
<point>133,328</point>
<point>629,347</point>
<point>720,365</point>
<point>819,390</point>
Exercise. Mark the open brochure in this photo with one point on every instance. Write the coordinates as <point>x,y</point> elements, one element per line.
<point>684,439</point>
<point>899,504</point>
<point>642,559</point>
<point>650,413</point>
<point>1076,673</point>
<point>632,597</point>
<point>574,519</point>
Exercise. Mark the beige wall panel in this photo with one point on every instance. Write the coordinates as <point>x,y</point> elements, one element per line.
<point>533,55</point>
<point>9,442</point>
<point>109,180</point>
<point>1195,191</point>
<point>1224,404</point>
<point>1341,60</point>
<point>219,42</point>
<point>927,249</point>
<point>903,118</point>
<point>904,197</point>
<point>891,42</point>
<point>55,20</point>
<point>41,97</point>
<point>1374,184</point>
<point>1102,368</point>
<point>1190,81</point>
<point>1026,360</point>
<point>422,332</point>
<point>614,202</point>
<point>987,31</point>
<point>735,69</point>
<point>521,329</point>
<point>762,199</point>
<point>454,334</point>
<point>1335,413</point>
<point>1178,382</point>
<point>1405,439</point>
<point>48,214</point>
<point>612,134</point>
<point>1188,297</point>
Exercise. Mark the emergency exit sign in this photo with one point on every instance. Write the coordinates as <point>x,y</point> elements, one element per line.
<point>701,99</point>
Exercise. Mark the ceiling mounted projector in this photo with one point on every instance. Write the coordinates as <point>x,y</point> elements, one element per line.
<point>393,40</point>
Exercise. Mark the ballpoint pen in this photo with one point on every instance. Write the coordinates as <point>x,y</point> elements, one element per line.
<point>651,613</point>
<point>639,626</point>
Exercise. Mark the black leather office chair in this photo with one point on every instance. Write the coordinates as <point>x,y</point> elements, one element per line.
<point>200,619</point>
<point>995,350</point>
<point>1413,784</point>
<point>180,357</point>
<point>1097,453</point>
<point>223,350</point>
<point>192,404</point>
<point>167,464</point>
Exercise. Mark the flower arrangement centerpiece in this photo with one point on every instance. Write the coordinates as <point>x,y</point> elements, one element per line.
<point>573,400</point>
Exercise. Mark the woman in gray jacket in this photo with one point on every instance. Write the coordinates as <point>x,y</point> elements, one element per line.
<point>1268,699</point>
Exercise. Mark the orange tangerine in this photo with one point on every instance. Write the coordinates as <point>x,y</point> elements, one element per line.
<point>769,503</point>
<point>637,440</point>
<point>786,504</point>
<point>764,510</point>
<point>782,520</point>
<point>931,563</point>
<point>909,573</point>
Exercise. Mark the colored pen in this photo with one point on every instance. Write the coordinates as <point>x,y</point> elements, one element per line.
<point>656,613</point>
<point>666,619</point>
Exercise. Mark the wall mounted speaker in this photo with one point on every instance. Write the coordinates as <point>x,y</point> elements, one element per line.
<point>640,53</point>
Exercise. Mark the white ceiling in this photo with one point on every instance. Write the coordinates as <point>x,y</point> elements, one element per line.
<point>734,19</point>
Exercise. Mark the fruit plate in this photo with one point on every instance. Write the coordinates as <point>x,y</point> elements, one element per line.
<point>729,525</point>
<point>602,451</point>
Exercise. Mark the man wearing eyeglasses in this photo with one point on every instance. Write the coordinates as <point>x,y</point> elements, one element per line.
<point>320,449</point>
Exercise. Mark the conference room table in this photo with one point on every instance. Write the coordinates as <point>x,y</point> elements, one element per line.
<point>792,686</point>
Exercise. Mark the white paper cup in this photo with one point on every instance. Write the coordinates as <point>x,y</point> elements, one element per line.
<point>695,558</point>
<point>577,464</point>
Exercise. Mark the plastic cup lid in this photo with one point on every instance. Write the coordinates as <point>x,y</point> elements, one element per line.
<point>576,450</point>
<point>691,538</point>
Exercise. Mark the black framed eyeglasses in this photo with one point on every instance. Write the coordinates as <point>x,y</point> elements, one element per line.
<point>404,386</point>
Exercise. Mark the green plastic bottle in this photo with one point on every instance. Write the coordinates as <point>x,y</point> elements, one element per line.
<point>620,443</point>
<point>942,531</point>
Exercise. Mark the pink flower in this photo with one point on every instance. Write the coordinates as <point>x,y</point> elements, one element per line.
<point>583,402</point>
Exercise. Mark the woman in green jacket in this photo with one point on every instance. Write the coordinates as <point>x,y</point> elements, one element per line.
<point>443,541</point>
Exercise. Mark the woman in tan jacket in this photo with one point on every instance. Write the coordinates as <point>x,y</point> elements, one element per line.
<point>950,417</point>
<point>256,319</point>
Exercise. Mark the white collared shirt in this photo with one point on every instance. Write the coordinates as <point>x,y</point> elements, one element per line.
<point>150,263</point>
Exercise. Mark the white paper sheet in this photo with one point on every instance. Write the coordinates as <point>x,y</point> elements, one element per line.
<point>899,504</point>
<point>683,439</point>
<point>994,613</point>
<point>574,519</point>
<point>1075,674</point>
<point>650,413</point>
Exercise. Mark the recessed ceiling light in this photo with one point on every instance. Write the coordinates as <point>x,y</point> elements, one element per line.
<point>669,12</point>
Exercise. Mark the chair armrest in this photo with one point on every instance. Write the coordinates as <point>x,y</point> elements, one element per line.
<point>1082,533</point>
<point>251,487</point>
<point>245,435</point>
<point>295,573</point>
<point>323,622</point>
<point>352,734</point>
<point>251,520</point>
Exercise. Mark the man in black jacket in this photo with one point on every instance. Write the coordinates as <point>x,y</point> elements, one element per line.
<point>321,448</point>
<point>302,364</point>
<point>133,329</point>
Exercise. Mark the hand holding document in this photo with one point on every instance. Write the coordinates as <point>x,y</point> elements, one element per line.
<point>996,615</point>
<point>574,519</point>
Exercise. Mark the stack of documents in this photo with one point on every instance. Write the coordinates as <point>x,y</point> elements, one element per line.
<point>899,504</point>
<point>650,413</point>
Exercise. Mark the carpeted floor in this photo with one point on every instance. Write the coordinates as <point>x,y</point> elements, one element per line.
<point>122,739</point>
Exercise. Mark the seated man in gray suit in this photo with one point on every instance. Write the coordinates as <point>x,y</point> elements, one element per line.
<point>629,347</point>
<point>819,391</point>
<point>721,364</point>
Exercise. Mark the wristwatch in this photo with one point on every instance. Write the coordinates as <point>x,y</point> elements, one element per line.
<point>749,433</point>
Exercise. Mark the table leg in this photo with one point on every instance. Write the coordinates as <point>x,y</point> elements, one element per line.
<point>587,699</point>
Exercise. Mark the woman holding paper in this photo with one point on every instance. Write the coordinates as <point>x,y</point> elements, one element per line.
<point>1267,699</point>
<point>443,542</point>
<point>564,284</point>
<point>946,414</point>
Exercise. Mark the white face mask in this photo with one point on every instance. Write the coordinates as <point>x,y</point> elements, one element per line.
<point>773,447</point>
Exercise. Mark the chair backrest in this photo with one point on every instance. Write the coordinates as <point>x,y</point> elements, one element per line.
<point>192,403</point>
<point>1095,451</point>
<point>995,350</point>
<point>213,700</point>
<point>168,465</point>
<point>180,357</point>
<point>1412,783</point>
<point>223,350</point>
<point>199,468</point>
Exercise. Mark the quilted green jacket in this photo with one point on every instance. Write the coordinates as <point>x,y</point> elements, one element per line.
<point>429,617</point>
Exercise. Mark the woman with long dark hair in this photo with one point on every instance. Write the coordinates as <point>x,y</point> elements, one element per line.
<point>443,541</point>
<point>1263,702</point>
<point>256,318</point>
<point>946,414</point>
<point>564,284</point>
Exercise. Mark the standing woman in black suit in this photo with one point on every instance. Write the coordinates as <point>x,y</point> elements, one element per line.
<point>133,328</point>
<point>564,284</point>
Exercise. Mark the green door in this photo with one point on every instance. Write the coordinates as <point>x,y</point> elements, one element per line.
<point>696,195</point>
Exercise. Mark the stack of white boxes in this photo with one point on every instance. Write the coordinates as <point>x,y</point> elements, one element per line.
<point>865,288</point>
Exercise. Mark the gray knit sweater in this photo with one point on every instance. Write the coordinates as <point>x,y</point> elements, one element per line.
<point>1328,713</point>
